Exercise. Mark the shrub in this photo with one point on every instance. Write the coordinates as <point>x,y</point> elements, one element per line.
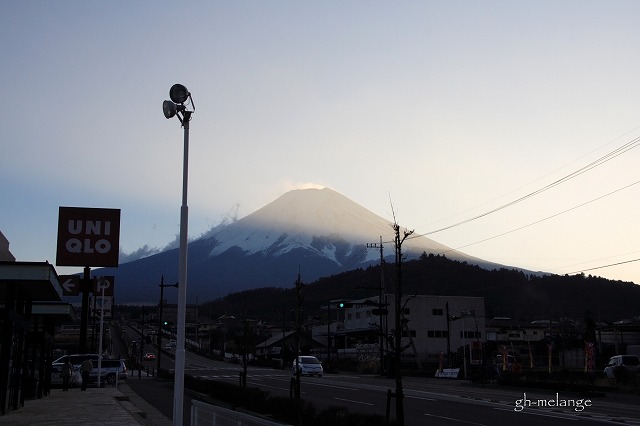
<point>288,410</point>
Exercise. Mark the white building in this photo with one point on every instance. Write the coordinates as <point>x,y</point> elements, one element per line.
<point>435,325</point>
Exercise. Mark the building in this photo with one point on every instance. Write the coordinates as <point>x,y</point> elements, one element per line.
<point>435,327</point>
<point>30,308</point>
<point>170,313</point>
<point>5,254</point>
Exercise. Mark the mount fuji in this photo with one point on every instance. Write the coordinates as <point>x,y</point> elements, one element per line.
<point>317,232</point>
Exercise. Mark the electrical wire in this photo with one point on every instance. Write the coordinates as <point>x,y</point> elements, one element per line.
<point>615,153</point>
<point>603,266</point>
<point>546,218</point>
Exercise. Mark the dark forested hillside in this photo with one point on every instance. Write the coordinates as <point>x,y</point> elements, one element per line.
<point>507,292</point>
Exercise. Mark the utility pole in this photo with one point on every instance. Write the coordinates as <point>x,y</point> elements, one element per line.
<point>141,343</point>
<point>298,308</point>
<point>160,321</point>
<point>399,323</point>
<point>380,309</point>
<point>329,334</point>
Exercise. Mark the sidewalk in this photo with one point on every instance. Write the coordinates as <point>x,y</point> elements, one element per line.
<point>96,406</point>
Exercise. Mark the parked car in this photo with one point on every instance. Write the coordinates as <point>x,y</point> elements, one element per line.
<point>108,370</point>
<point>76,359</point>
<point>308,366</point>
<point>56,376</point>
<point>149,357</point>
<point>621,365</point>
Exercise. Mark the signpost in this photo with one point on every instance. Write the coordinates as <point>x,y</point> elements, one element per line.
<point>87,237</point>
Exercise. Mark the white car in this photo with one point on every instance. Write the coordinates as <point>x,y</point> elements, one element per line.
<point>622,364</point>
<point>308,366</point>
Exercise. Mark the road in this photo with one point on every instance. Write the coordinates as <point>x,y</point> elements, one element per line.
<point>430,400</point>
<point>434,401</point>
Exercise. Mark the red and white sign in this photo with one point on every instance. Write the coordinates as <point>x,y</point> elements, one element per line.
<point>88,237</point>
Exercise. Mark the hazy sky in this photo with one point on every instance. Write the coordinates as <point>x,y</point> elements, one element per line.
<point>447,109</point>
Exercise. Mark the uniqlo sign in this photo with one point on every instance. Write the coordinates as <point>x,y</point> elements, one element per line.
<point>88,237</point>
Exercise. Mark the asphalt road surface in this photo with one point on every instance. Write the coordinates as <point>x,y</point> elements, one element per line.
<point>426,400</point>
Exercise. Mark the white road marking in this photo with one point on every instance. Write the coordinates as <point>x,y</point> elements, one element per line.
<point>355,402</point>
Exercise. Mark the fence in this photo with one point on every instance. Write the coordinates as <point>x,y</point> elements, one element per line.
<point>203,414</point>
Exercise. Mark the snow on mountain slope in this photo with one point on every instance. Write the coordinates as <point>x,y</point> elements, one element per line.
<point>321,220</point>
<point>317,231</point>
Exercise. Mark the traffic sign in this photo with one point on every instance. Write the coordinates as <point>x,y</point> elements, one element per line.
<point>95,305</point>
<point>70,285</point>
<point>107,282</point>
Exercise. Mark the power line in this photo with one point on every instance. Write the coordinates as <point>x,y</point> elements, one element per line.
<point>604,266</point>
<point>546,218</point>
<point>605,158</point>
<point>594,260</point>
<point>544,176</point>
<point>634,143</point>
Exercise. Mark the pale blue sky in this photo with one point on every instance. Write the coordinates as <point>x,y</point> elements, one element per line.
<point>450,109</point>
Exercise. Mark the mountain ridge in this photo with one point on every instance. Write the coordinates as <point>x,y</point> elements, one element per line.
<point>318,232</point>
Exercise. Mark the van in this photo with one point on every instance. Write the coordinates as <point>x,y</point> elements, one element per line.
<point>620,365</point>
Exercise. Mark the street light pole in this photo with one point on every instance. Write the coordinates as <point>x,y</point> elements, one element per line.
<point>179,95</point>
<point>178,392</point>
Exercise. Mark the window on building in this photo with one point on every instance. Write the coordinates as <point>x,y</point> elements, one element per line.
<point>437,334</point>
<point>437,311</point>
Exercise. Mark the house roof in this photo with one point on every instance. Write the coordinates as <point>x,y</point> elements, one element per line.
<point>275,339</point>
<point>278,338</point>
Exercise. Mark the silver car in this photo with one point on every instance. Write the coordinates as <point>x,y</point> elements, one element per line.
<point>56,376</point>
<point>108,370</point>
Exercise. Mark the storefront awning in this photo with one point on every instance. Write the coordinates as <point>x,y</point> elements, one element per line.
<point>36,280</point>
<point>59,312</point>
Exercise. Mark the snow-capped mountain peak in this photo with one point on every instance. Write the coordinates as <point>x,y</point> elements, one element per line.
<point>316,231</point>
<point>321,220</point>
